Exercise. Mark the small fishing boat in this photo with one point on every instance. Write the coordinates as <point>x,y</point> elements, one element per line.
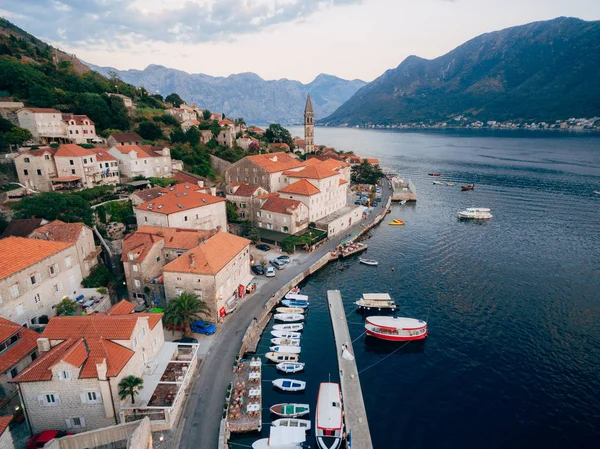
<point>294,327</point>
<point>295,303</point>
<point>396,329</point>
<point>450,184</point>
<point>288,349</point>
<point>377,301</point>
<point>290,309</point>
<point>292,422</point>
<point>286,341</point>
<point>285,334</point>
<point>476,213</point>
<point>290,410</point>
<point>433,174</point>
<point>282,437</point>
<point>438,183</point>
<point>596,192</point>
<point>290,367</point>
<point>281,357</point>
<point>328,422</point>
<point>396,222</point>
<point>289,317</point>
<point>368,262</point>
<point>289,384</point>
<point>467,187</point>
<point>294,291</point>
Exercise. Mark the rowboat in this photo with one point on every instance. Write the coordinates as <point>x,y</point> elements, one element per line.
<point>289,384</point>
<point>288,317</point>
<point>396,222</point>
<point>476,213</point>
<point>450,184</point>
<point>292,422</point>
<point>295,303</point>
<point>282,438</point>
<point>433,174</point>
<point>369,262</point>
<point>290,410</point>
<point>290,309</point>
<point>290,367</point>
<point>438,183</point>
<point>286,341</point>
<point>293,291</point>
<point>376,301</point>
<point>328,422</point>
<point>288,349</point>
<point>294,327</point>
<point>280,357</point>
<point>467,187</point>
<point>396,329</point>
<point>285,334</point>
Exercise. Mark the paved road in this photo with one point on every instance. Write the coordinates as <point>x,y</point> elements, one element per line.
<point>203,411</point>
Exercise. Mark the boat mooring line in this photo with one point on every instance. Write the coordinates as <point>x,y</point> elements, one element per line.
<point>359,337</point>
<point>390,354</point>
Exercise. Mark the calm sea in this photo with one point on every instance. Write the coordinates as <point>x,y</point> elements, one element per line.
<point>513,305</point>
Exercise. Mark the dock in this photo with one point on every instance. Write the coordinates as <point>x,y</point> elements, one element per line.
<point>355,415</point>
<point>348,249</point>
<point>402,190</point>
<point>244,411</point>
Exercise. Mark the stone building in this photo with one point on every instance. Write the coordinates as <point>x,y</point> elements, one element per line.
<point>265,170</point>
<point>282,214</point>
<point>36,169</point>
<point>309,127</point>
<point>108,166</point>
<point>45,124</point>
<point>6,439</point>
<point>245,198</point>
<point>226,137</point>
<point>80,129</point>
<point>77,165</point>
<point>119,139</point>
<point>143,160</point>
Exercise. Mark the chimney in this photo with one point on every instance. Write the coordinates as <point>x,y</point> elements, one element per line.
<point>192,260</point>
<point>201,184</point>
<point>213,191</point>
<point>43,345</point>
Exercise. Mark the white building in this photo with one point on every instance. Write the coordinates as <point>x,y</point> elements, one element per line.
<point>108,166</point>
<point>144,161</point>
<point>80,129</point>
<point>45,124</point>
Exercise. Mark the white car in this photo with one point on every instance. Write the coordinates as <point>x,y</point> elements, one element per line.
<point>270,272</point>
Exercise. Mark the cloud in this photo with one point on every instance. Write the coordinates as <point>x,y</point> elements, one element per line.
<point>116,23</point>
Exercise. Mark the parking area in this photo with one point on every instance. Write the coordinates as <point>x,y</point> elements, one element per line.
<point>267,256</point>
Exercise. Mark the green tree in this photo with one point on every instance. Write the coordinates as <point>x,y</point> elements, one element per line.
<point>184,310</point>
<point>67,207</point>
<point>16,136</point>
<point>3,222</point>
<point>129,387</point>
<point>276,133</point>
<point>101,213</point>
<point>177,136</point>
<point>239,122</point>
<point>150,130</point>
<point>232,215</point>
<point>250,231</point>
<point>206,114</point>
<point>192,136</point>
<point>100,276</point>
<point>66,307</point>
<point>174,99</point>
<point>365,173</point>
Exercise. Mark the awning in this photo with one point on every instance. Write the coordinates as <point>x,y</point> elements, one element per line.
<point>66,178</point>
<point>246,281</point>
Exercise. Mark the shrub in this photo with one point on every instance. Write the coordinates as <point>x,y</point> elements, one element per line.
<point>100,276</point>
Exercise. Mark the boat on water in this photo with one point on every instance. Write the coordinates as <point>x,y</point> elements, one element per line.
<point>396,222</point>
<point>286,341</point>
<point>596,192</point>
<point>476,213</point>
<point>290,367</point>
<point>294,327</point>
<point>438,183</point>
<point>328,422</point>
<point>290,410</point>
<point>280,357</point>
<point>379,301</point>
<point>467,187</point>
<point>369,262</point>
<point>289,384</point>
<point>288,317</point>
<point>282,437</point>
<point>295,303</point>
<point>294,291</point>
<point>285,334</point>
<point>292,422</point>
<point>290,309</point>
<point>288,349</point>
<point>396,329</point>
<point>433,174</point>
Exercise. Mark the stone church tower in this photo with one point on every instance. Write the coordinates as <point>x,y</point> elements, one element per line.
<point>309,127</point>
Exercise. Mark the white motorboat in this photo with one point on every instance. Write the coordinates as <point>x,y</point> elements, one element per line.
<point>290,309</point>
<point>286,341</point>
<point>296,297</point>
<point>288,349</point>
<point>377,301</point>
<point>280,357</point>
<point>288,317</point>
<point>292,422</point>
<point>290,410</point>
<point>282,437</point>
<point>596,192</point>
<point>290,367</point>
<point>438,183</point>
<point>285,334</point>
<point>476,213</point>
<point>368,261</point>
<point>396,329</point>
<point>294,327</point>
<point>450,184</point>
<point>328,422</point>
<point>289,384</point>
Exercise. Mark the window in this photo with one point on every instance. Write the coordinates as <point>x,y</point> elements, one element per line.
<point>14,290</point>
<point>39,172</point>
<point>71,162</point>
<point>242,214</point>
<point>285,219</point>
<point>37,298</point>
<point>178,291</point>
<point>269,226</point>
<point>90,397</point>
<point>49,399</point>
<point>84,160</point>
<point>185,218</point>
<point>56,289</point>
<point>47,157</point>
<point>158,259</point>
<point>75,423</point>
<point>33,279</point>
<point>64,375</point>
<point>137,282</point>
<point>27,160</point>
<point>260,224</point>
<point>198,293</point>
<point>25,172</point>
<point>135,268</point>
<point>68,261</point>
<point>14,372</point>
<point>269,216</point>
<point>243,205</point>
<point>258,214</point>
<point>178,278</point>
<point>73,171</point>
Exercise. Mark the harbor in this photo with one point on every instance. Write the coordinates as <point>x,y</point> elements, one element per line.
<point>402,190</point>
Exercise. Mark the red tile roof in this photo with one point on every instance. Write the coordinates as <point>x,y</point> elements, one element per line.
<point>79,119</point>
<point>302,187</point>
<point>23,347</point>
<point>72,150</point>
<point>183,176</point>
<point>311,172</point>
<point>102,155</point>
<point>210,257</point>
<point>148,194</point>
<point>4,422</point>
<point>280,205</point>
<point>178,198</point>
<point>246,190</point>
<point>126,137</point>
<point>123,307</point>
<point>275,162</point>
<point>225,122</point>
<point>19,253</point>
<point>58,231</point>
<point>343,181</point>
<point>41,151</point>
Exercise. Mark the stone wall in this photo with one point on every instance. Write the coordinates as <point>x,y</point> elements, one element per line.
<point>219,165</point>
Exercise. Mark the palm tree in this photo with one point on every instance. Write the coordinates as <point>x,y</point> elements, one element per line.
<point>184,310</point>
<point>130,386</point>
<point>239,122</point>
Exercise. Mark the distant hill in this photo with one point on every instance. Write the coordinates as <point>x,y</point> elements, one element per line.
<point>246,94</point>
<point>539,71</point>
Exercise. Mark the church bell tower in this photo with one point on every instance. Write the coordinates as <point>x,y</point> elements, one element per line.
<point>309,127</point>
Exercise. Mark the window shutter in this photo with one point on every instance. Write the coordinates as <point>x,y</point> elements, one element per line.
<point>38,277</point>
<point>41,400</point>
<point>98,397</point>
<point>83,397</point>
<point>69,425</point>
<point>60,375</point>
<point>57,397</point>
<point>82,419</point>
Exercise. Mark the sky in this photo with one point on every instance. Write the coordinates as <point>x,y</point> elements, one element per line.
<point>294,39</point>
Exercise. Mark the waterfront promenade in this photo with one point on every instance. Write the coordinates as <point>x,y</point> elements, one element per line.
<point>199,426</point>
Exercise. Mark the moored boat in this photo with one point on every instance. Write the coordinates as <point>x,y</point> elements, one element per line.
<point>294,327</point>
<point>294,291</point>
<point>396,222</point>
<point>438,183</point>
<point>396,329</point>
<point>290,367</point>
<point>377,301</point>
<point>281,357</point>
<point>286,341</point>
<point>450,184</point>
<point>288,317</point>
<point>292,422</point>
<point>328,422</point>
<point>433,174</point>
<point>295,303</point>
<point>467,187</point>
<point>476,213</point>
<point>596,192</point>
<point>289,384</point>
<point>287,349</point>
<point>282,437</point>
<point>290,410</point>
<point>289,309</point>
<point>369,262</point>
<point>285,334</point>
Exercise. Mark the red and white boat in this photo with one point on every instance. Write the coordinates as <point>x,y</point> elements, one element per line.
<point>396,329</point>
<point>329,423</point>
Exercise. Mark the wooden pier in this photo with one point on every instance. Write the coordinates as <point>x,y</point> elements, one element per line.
<point>355,416</point>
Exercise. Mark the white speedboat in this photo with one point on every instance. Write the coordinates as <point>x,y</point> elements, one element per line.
<point>328,422</point>
<point>289,384</point>
<point>292,422</point>
<point>438,183</point>
<point>396,329</point>
<point>450,184</point>
<point>288,349</point>
<point>290,367</point>
<point>290,309</point>
<point>596,192</point>
<point>368,261</point>
<point>282,437</point>
<point>377,301</point>
<point>286,341</point>
<point>290,410</point>
<point>285,334</point>
<point>294,327</point>
<point>288,317</point>
<point>476,213</point>
<point>280,357</point>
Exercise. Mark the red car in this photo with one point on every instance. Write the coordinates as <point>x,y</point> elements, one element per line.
<point>41,438</point>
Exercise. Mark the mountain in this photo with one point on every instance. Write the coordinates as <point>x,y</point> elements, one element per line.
<point>244,95</point>
<point>539,71</point>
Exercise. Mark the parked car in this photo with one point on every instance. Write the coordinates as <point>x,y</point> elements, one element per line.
<point>203,327</point>
<point>357,202</point>
<point>284,259</point>
<point>41,438</point>
<point>277,264</point>
<point>263,247</point>
<point>186,340</point>
<point>257,269</point>
<point>270,272</point>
